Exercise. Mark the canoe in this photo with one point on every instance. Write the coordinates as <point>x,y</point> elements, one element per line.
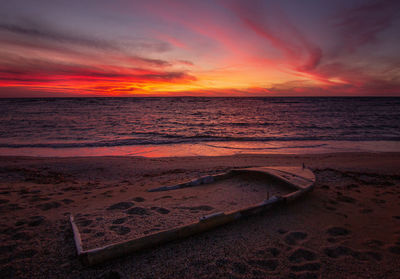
<point>300,179</point>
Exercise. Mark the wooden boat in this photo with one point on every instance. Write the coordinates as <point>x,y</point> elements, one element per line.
<point>300,179</point>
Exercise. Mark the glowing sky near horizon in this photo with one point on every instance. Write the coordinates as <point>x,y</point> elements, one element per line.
<point>199,48</point>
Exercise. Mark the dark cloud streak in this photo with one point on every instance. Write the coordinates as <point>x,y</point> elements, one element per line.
<point>44,71</point>
<point>361,25</point>
<point>38,36</point>
<point>300,52</point>
<point>44,33</point>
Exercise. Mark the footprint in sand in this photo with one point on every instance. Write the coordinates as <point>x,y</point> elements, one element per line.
<point>20,223</point>
<point>111,274</point>
<point>67,201</point>
<point>7,248</point>
<point>9,230</point>
<point>332,240</point>
<point>160,210</point>
<point>346,199</point>
<point>367,255</point>
<point>37,198</point>
<point>15,206</point>
<point>282,231</point>
<point>49,205</point>
<point>300,255</point>
<point>239,267</point>
<point>337,251</point>
<point>137,211</point>
<point>121,230</point>
<point>269,252</point>
<point>222,262</point>
<point>99,234</point>
<point>394,249</point>
<point>163,197</point>
<point>305,264</point>
<point>293,238</point>
<point>313,266</point>
<point>352,186</point>
<point>340,251</point>
<point>303,275</point>
<point>378,201</point>
<point>325,187</point>
<point>264,261</point>
<point>21,236</point>
<point>119,221</point>
<point>36,221</point>
<point>25,254</point>
<point>121,206</point>
<point>2,201</point>
<point>338,231</point>
<point>84,222</point>
<point>266,265</point>
<point>366,210</point>
<point>330,208</point>
<point>373,243</point>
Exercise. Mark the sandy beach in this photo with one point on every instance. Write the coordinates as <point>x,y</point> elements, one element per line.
<point>347,227</point>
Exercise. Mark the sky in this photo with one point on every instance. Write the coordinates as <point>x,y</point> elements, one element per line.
<point>199,48</point>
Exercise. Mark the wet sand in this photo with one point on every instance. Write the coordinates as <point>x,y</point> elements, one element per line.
<point>348,227</point>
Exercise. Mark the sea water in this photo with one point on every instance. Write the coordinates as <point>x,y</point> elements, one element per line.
<point>188,126</point>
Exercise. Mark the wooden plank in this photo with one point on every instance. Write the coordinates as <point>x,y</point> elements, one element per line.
<point>77,236</point>
<point>296,176</point>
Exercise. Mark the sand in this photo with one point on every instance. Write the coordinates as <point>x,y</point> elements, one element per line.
<point>152,212</point>
<point>348,227</point>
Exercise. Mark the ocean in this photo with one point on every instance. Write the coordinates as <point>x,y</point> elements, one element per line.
<point>185,126</point>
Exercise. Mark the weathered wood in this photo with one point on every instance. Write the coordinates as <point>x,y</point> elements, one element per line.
<point>77,236</point>
<point>102,254</point>
<point>301,179</point>
<point>200,181</point>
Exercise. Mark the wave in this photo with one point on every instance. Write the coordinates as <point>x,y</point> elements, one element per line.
<point>113,122</point>
<point>190,140</point>
<point>268,148</point>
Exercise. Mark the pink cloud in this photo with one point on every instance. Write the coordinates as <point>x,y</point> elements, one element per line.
<point>361,25</point>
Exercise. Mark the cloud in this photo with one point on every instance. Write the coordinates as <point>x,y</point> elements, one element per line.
<point>42,72</point>
<point>66,61</point>
<point>234,42</point>
<point>34,35</point>
<point>361,25</point>
<point>135,59</point>
<point>299,52</point>
<point>172,40</point>
<point>347,67</point>
<point>185,62</point>
<point>37,31</point>
<point>305,59</point>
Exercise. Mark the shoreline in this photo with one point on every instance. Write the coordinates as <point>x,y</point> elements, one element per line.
<point>346,228</point>
<point>211,149</point>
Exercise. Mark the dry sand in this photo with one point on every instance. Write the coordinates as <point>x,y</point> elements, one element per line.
<point>152,212</point>
<point>348,227</point>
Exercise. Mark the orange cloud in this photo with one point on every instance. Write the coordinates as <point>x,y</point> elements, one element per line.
<point>238,48</point>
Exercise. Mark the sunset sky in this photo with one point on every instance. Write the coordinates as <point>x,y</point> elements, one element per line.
<point>199,48</point>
